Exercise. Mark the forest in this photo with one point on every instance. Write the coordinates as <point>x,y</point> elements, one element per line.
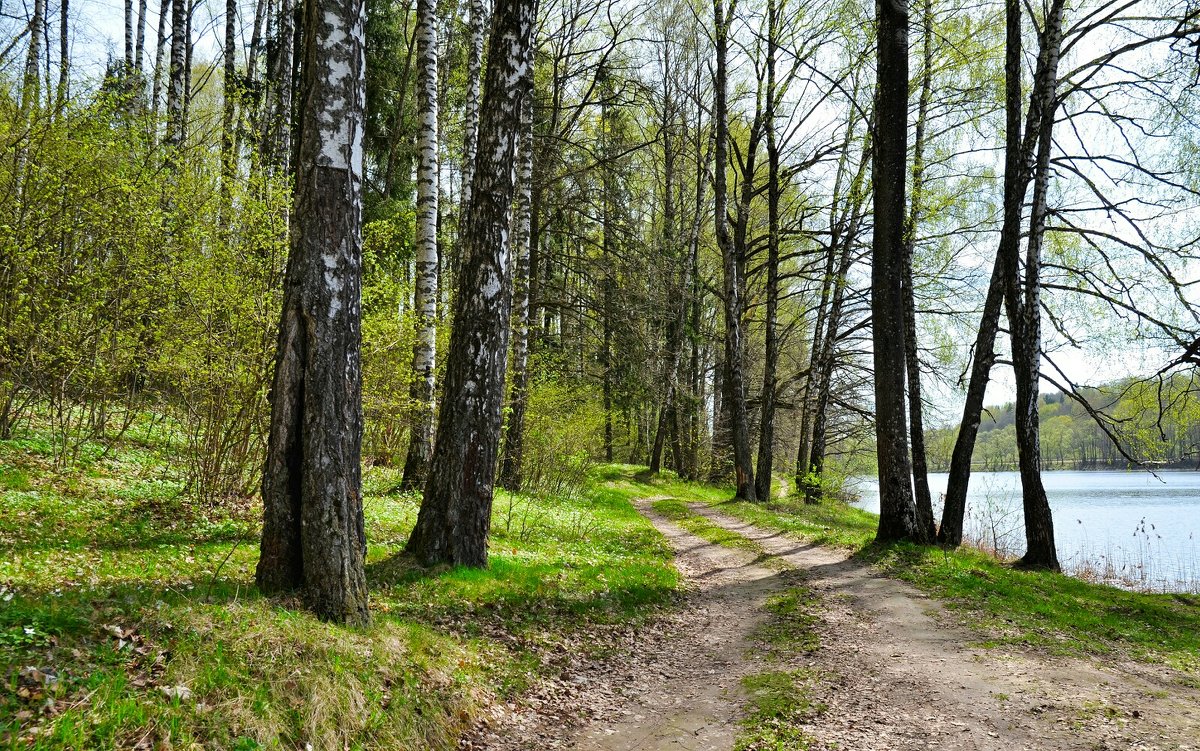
<point>405,344</point>
<point>1140,425</point>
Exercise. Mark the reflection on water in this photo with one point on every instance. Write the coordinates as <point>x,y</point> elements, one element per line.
<point>1125,527</point>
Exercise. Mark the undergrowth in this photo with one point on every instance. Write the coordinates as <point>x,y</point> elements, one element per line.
<point>129,619</point>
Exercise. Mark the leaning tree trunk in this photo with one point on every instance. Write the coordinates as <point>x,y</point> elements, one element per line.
<point>514,436</point>
<point>1018,171</point>
<point>822,376</point>
<point>897,511</point>
<point>455,516</point>
<point>735,377</point>
<point>425,294</point>
<point>313,535</point>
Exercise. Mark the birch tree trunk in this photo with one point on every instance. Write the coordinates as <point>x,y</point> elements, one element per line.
<point>425,293</point>
<point>514,437</point>
<point>455,516</point>
<point>165,9</point>
<point>139,52</point>
<point>177,75</point>
<point>735,377</point>
<point>476,21</point>
<point>313,534</point>
<point>897,511</point>
<point>31,82</point>
<point>129,35</point>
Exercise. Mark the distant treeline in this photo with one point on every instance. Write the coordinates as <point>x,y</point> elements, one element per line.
<point>1147,422</point>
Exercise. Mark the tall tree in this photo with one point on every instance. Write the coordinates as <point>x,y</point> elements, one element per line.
<point>140,47</point>
<point>31,83</point>
<point>1019,155</point>
<point>897,510</point>
<point>911,354</point>
<point>313,533</point>
<point>766,441</point>
<point>177,75</point>
<point>475,21</point>
<point>425,294</point>
<point>455,516</point>
<point>735,375</point>
<point>229,103</point>
<point>514,436</point>
<point>1022,293</point>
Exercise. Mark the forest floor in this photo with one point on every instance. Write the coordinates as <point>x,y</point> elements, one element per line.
<point>786,644</point>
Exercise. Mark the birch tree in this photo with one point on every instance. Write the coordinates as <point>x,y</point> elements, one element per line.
<point>514,436</point>
<point>455,516</point>
<point>425,295</point>
<point>313,535</point>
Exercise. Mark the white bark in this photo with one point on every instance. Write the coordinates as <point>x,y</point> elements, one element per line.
<point>427,192</point>
<point>425,292</point>
<point>477,21</point>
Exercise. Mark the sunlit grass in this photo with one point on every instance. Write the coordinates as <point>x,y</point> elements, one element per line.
<point>128,613</point>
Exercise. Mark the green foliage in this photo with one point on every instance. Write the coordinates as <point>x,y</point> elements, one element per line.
<point>563,429</point>
<point>129,278</point>
<point>1153,421</point>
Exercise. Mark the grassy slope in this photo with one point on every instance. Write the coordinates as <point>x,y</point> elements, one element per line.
<point>128,617</point>
<point>1051,611</point>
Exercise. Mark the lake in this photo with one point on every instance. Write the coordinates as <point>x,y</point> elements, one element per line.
<point>1128,528</point>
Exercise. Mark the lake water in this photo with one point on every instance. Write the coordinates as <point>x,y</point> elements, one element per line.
<point>1130,528</point>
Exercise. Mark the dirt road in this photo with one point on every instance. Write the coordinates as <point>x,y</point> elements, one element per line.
<point>896,671</point>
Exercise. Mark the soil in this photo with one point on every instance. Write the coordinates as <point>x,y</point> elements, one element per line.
<point>895,669</point>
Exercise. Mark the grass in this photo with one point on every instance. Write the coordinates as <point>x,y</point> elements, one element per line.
<point>779,703</point>
<point>129,619</point>
<point>1009,606</point>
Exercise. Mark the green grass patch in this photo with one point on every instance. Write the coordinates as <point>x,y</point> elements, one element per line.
<point>831,522</point>
<point>128,615</point>
<point>678,512</point>
<point>779,702</point>
<point>791,630</point>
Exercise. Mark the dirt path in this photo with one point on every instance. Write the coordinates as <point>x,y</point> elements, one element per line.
<point>896,672</point>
